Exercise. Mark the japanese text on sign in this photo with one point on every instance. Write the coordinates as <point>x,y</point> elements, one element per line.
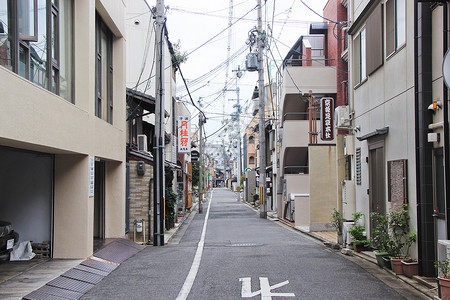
<point>327,114</point>
<point>184,134</point>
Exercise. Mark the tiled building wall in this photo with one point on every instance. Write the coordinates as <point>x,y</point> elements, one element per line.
<point>139,199</point>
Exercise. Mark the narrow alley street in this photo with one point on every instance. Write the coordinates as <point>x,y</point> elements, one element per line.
<point>243,256</point>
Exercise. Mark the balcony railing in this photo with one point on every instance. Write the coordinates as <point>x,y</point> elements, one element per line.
<point>302,62</point>
<point>295,170</point>
<point>298,116</point>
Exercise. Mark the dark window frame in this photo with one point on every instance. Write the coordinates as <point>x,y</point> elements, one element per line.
<point>392,26</point>
<point>101,28</point>
<point>18,41</point>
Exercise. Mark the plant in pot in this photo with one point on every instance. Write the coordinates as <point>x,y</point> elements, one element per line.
<point>381,239</point>
<point>399,232</point>
<point>443,267</point>
<point>410,265</point>
<point>337,220</point>
<point>357,233</point>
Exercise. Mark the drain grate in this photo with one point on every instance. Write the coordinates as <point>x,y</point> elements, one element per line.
<point>38,295</point>
<point>51,290</point>
<point>245,245</point>
<point>91,270</point>
<point>83,276</point>
<point>70,284</point>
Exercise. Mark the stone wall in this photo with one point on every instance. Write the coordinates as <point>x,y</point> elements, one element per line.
<point>139,199</point>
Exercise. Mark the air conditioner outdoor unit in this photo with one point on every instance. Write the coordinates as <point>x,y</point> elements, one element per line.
<point>348,199</point>
<point>349,148</point>
<point>142,142</point>
<point>342,117</point>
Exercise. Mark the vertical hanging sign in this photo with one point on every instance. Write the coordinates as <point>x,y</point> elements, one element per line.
<point>91,176</point>
<point>184,134</point>
<point>326,118</point>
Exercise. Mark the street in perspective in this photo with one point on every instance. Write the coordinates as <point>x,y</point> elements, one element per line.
<point>241,256</point>
<point>226,149</point>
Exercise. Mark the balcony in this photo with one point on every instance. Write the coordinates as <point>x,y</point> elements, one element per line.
<point>318,78</point>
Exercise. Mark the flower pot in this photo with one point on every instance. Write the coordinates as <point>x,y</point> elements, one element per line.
<point>387,262</point>
<point>379,254</point>
<point>359,248</point>
<point>397,265</point>
<point>340,239</point>
<point>410,268</point>
<point>444,283</point>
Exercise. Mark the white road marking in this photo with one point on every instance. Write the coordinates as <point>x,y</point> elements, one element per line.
<point>265,291</point>
<point>189,282</point>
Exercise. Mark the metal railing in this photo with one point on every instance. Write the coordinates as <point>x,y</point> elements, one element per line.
<point>298,116</point>
<point>295,170</point>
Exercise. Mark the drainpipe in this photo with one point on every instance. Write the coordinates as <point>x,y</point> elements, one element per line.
<point>446,127</point>
<point>423,97</point>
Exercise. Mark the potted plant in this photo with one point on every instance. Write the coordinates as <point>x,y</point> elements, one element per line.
<point>337,220</point>
<point>443,267</point>
<point>381,240</point>
<point>399,232</point>
<point>410,266</point>
<point>357,233</point>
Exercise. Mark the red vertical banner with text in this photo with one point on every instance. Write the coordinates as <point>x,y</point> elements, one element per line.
<point>184,134</point>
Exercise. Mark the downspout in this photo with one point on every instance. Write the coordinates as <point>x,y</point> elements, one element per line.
<point>423,97</point>
<point>446,127</point>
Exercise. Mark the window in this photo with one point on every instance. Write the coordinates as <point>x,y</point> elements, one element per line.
<point>395,25</point>
<point>359,44</point>
<point>103,71</point>
<point>251,160</point>
<point>36,42</point>
<point>251,139</point>
<point>374,40</point>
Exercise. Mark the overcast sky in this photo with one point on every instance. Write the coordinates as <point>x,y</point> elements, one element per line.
<point>194,22</point>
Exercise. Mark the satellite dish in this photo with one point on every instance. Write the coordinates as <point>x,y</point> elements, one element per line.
<point>446,69</point>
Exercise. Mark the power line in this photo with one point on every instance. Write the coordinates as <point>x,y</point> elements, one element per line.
<point>317,13</point>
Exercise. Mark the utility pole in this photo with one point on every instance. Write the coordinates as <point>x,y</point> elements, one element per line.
<point>262,131</point>
<point>158,142</point>
<point>200,181</point>
<point>238,118</point>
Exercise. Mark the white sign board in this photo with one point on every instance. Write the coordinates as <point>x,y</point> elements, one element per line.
<point>91,176</point>
<point>184,134</point>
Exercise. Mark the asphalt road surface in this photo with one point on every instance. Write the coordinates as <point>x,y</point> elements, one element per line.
<point>229,252</point>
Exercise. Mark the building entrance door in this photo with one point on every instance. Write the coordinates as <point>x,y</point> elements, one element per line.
<point>439,208</point>
<point>99,204</point>
<point>377,198</point>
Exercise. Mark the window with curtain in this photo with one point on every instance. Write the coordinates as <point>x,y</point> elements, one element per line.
<point>36,41</point>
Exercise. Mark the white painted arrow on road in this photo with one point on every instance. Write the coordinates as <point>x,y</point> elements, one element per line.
<point>265,291</point>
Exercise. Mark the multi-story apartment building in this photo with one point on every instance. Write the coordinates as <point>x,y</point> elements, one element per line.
<point>311,166</point>
<point>400,106</point>
<point>62,122</point>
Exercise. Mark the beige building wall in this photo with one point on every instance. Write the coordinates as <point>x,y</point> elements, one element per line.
<point>33,118</point>
<point>323,194</point>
